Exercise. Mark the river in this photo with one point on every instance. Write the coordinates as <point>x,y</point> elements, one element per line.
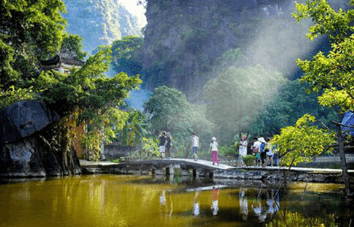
<point>116,200</point>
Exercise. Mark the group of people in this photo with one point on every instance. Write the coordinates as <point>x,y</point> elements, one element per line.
<point>213,149</point>
<point>265,152</point>
<point>165,144</point>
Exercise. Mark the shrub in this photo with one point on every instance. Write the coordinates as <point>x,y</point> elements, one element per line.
<point>249,160</point>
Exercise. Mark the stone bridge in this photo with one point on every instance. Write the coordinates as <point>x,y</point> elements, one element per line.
<point>202,168</point>
<point>167,166</point>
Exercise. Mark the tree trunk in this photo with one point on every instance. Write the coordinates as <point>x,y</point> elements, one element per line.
<point>343,160</point>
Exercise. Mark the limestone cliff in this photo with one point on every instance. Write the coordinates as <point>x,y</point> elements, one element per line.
<point>184,38</point>
<point>100,22</point>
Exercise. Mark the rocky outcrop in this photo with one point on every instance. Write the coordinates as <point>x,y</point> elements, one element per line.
<point>23,119</point>
<point>25,150</point>
<point>100,22</point>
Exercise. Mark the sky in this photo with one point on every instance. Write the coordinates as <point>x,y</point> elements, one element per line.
<point>133,8</point>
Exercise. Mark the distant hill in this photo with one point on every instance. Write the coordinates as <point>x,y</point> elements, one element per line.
<point>100,22</point>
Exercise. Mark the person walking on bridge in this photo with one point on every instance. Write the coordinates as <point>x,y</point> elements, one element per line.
<point>214,151</point>
<point>168,145</point>
<point>195,145</point>
<point>162,143</point>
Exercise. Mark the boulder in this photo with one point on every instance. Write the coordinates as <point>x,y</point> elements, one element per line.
<point>23,119</point>
<point>35,157</point>
<point>21,159</point>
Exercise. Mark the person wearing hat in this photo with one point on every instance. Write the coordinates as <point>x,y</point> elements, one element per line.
<point>214,151</point>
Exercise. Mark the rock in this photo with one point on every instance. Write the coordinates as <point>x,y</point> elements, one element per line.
<point>21,159</point>
<point>34,157</point>
<point>23,119</point>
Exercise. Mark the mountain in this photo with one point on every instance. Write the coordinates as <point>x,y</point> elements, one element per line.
<point>100,22</point>
<point>184,39</point>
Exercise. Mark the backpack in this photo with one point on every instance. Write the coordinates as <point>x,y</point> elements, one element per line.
<point>262,147</point>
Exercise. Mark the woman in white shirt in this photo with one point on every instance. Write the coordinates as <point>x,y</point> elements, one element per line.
<point>214,151</point>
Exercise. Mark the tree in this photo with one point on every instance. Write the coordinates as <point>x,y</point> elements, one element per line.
<point>236,97</point>
<point>169,111</point>
<point>33,30</point>
<point>127,55</point>
<point>303,141</point>
<point>330,72</point>
<point>291,103</point>
<point>29,31</point>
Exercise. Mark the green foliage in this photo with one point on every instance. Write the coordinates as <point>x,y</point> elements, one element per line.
<point>294,219</point>
<point>169,111</point>
<point>249,160</point>
<point>13,95</point>
<point>331,72</point>
<point>237,96</point>
<point>227,151</point>
<point>35,30</point>
<point>72,44</point>
<point>29,31</point>
<point>126,55</point>
<point>303,141</point>
<point>150,146</point>
<point>134,130</point>
<point>291,103</point>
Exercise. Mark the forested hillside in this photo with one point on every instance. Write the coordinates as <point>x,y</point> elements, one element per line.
<point>183,39</point>
<point>99,22</point>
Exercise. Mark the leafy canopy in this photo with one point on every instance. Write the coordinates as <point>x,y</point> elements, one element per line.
<point>332,72</point>
<point>169,111</point>
<point>303,141</point>
<point>237,95</point>
<point>29,30</point>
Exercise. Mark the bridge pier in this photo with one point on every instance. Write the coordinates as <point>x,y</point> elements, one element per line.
<point>170,170</point>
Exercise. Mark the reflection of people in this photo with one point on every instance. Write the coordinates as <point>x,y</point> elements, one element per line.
<point>195,145</point>
<point>214,151</point>
<point>215,204</point>
<point>162,198</point>
<point>162,143</point>
<point>196,210</point>
<point>272,201</point>
<point>243,205</point>
<point>258,209</point>
<point>168,144</point>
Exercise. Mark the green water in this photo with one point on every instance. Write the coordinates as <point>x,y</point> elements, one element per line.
<point>114,200</point>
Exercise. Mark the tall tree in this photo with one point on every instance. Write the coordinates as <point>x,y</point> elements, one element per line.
<point>236,97</point>
<point>169,110</point>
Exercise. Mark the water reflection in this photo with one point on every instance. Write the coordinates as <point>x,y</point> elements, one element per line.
<point>215,205</point>
<point>111,200</point>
